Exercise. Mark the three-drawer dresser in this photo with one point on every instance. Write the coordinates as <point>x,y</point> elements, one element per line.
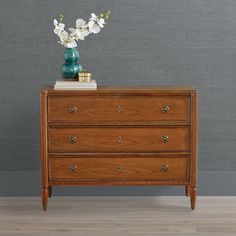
<point>119,136</point>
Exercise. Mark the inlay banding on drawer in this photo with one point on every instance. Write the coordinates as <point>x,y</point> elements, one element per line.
<point>141,168</point>
<point>118,139</point>
<point>140,108</point>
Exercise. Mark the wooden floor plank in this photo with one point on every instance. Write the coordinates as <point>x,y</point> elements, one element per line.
<point>105,216</point>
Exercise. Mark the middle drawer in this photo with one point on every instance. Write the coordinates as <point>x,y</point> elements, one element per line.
<point>118,139</point>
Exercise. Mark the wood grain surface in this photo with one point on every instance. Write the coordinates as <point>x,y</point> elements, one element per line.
<point>115,121</point>
<point>119,139</point>
<point>122,169</point>
<point>118,108</point>
<point>115,216</point>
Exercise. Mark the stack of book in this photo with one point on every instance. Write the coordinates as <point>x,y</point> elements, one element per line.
<point>75,85</point>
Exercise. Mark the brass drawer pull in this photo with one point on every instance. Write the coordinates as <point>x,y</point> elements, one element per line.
<point>165,108</point>
<point>164,139</point>
<point>164,168</point>
<point>73,168</point>
<point>72,139</point>
<point>72,109</point>
<point>119,109</point>
<point>119,168</point>
<point>119,139</point>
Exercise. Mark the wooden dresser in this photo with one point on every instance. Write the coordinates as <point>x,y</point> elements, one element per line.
<point>119,136</point>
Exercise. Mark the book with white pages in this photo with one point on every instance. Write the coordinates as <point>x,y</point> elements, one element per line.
<point>73,85</point>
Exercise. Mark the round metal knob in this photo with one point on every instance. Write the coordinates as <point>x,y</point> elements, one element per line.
<point>72,139</point>
<point>73,168</point>
<point>119,109</point>
<point>164,168</point>
<point>165,108</point>
<point>72,109</point>
<point>164,139</point>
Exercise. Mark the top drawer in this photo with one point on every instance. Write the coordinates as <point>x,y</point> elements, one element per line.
<point>115,109</point>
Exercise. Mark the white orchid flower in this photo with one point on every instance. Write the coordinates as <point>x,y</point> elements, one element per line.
<point>95,24</point>
<point>82,29</point>
<point>58,27</point>
<point>66,40</point>
<point>73,32</point>
<point>71,43</point>
<point>76,34</point>
<point>63,36</point>
<point>81,23</point>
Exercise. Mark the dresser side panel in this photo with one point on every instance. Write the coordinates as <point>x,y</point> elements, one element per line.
<point>194,140</point>
<point>43,140</point>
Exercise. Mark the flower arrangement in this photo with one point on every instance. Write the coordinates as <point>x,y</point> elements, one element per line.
<point>82,29</point>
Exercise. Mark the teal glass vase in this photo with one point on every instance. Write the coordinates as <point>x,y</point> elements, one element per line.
<point>71,68</point>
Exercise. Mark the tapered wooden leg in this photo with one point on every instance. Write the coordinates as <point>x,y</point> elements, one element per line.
<point>187,190</point>
<point>193,193</point>
<point>44,196</point>
<point>50,191</point>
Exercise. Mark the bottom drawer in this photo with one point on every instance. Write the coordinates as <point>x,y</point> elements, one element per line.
<point>117,168</point>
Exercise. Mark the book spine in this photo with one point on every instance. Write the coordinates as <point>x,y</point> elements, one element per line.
<point>90,86</point>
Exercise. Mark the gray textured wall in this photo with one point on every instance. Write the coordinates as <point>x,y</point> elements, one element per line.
<point>146,42</point>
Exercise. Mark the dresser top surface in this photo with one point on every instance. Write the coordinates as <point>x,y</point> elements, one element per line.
<point>125,90</point>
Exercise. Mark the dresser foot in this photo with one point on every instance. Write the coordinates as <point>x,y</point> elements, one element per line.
<point>50,191</point>
<point>44,196</point>
<point>187,190</point>
<point>193,193</point>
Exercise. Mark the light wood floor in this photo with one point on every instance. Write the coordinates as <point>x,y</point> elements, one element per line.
<point>105,216</point>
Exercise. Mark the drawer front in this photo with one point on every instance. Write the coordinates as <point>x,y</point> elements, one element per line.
<point>118,139</point>
<point>139,108</point>
<point>108,169</point>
